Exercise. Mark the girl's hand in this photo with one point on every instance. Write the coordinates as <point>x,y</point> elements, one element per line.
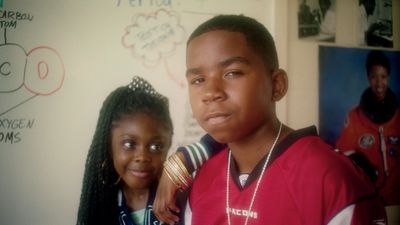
<point>164,205</point>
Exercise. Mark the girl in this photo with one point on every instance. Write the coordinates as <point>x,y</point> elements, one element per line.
<point>125,159</point>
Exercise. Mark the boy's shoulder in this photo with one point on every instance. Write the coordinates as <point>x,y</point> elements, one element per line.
<point>311,155</point>
<point>314,152</point>
<point>302,140</point>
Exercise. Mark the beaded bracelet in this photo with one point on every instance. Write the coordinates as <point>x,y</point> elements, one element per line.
<point>177,172</point>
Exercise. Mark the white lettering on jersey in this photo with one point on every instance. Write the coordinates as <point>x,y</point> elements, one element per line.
<point>242,212</point>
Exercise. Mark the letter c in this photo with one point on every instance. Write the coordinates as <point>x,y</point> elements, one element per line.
<point>3,71</point>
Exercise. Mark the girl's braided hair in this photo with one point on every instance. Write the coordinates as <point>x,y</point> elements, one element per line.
<point>98,202</point>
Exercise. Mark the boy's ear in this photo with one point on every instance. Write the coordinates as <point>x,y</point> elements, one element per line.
<point>280,84</point>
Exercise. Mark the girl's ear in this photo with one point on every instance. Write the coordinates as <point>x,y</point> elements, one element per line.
<point>280,84</point>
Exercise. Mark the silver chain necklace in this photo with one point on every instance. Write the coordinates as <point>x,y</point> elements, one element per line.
<point>258,181</point>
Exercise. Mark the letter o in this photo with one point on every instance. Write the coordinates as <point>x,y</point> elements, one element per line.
<point>44,71</point>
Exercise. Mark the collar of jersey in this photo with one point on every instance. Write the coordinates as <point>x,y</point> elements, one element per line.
<point>280,148</point>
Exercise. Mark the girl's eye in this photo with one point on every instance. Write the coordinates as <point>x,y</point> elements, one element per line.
<point>155,148</point>
<point>128,144</point>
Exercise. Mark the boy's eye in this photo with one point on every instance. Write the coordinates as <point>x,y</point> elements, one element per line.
<point>233,74</point>
<point>155,147</point>
<point>197,80</point>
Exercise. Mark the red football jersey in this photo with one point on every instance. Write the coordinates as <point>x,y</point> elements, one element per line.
<point>306,182</point>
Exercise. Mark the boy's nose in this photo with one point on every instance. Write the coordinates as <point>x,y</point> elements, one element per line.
<point>213,91</point>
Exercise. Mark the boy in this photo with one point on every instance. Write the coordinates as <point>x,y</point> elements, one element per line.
<point>269,173</point>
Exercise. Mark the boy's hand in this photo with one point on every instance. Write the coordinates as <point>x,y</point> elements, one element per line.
<point>164,206</point>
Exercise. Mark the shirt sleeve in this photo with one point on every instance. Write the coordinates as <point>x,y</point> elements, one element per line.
<point>347,140</point>
<point>197,153</point>
<point>369,211</point>
<point>343,217</point>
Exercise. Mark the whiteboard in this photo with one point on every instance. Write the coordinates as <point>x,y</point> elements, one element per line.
<point>58,62</point>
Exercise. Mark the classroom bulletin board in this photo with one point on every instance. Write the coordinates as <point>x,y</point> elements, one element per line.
<point>58,62</point>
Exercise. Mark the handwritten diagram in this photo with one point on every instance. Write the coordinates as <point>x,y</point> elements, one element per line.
<point>154,37</point>
<point>24,75</point>
<point>40,71</point>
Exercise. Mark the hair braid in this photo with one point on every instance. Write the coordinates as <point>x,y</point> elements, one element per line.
<point>98,201</point>
<point>98,197</point>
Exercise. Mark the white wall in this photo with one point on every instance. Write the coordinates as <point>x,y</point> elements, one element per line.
<point>68,55</point>
<point>41,172</point>
<point>302,57</point>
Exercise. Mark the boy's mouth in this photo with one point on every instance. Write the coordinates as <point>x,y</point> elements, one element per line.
<point>217,118</point>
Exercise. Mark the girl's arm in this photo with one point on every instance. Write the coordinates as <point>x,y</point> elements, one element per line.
<point>175,177</point>
<point>197,154</point>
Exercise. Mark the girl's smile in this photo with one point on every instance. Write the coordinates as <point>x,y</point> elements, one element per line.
<point>139,147</point>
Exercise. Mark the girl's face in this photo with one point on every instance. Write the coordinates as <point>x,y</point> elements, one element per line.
<point>378,78</point>
<point>139,147</point>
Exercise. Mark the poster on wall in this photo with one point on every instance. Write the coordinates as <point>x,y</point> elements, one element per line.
<point>317,20</point>
<point>375,23</point>
<point>346,86</point>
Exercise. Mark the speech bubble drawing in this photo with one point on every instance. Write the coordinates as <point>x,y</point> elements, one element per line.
<point>153,37</point>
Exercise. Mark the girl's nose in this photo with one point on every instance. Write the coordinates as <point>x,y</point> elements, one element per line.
<point>142,155</point>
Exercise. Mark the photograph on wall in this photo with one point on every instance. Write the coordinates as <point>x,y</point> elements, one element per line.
<point>317,20</point>
<point>347,84</point>
<point>374,21</point>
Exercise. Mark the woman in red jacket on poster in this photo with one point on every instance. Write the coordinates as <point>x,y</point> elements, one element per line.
<point>372,130</point>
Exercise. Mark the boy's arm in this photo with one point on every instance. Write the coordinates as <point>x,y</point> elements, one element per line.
<point>367,211</point>
<point>192,156</point>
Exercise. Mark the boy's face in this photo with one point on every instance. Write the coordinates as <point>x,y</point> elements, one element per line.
<point>229,88</point>
<point>378,78</point>
<point>139,147</point>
